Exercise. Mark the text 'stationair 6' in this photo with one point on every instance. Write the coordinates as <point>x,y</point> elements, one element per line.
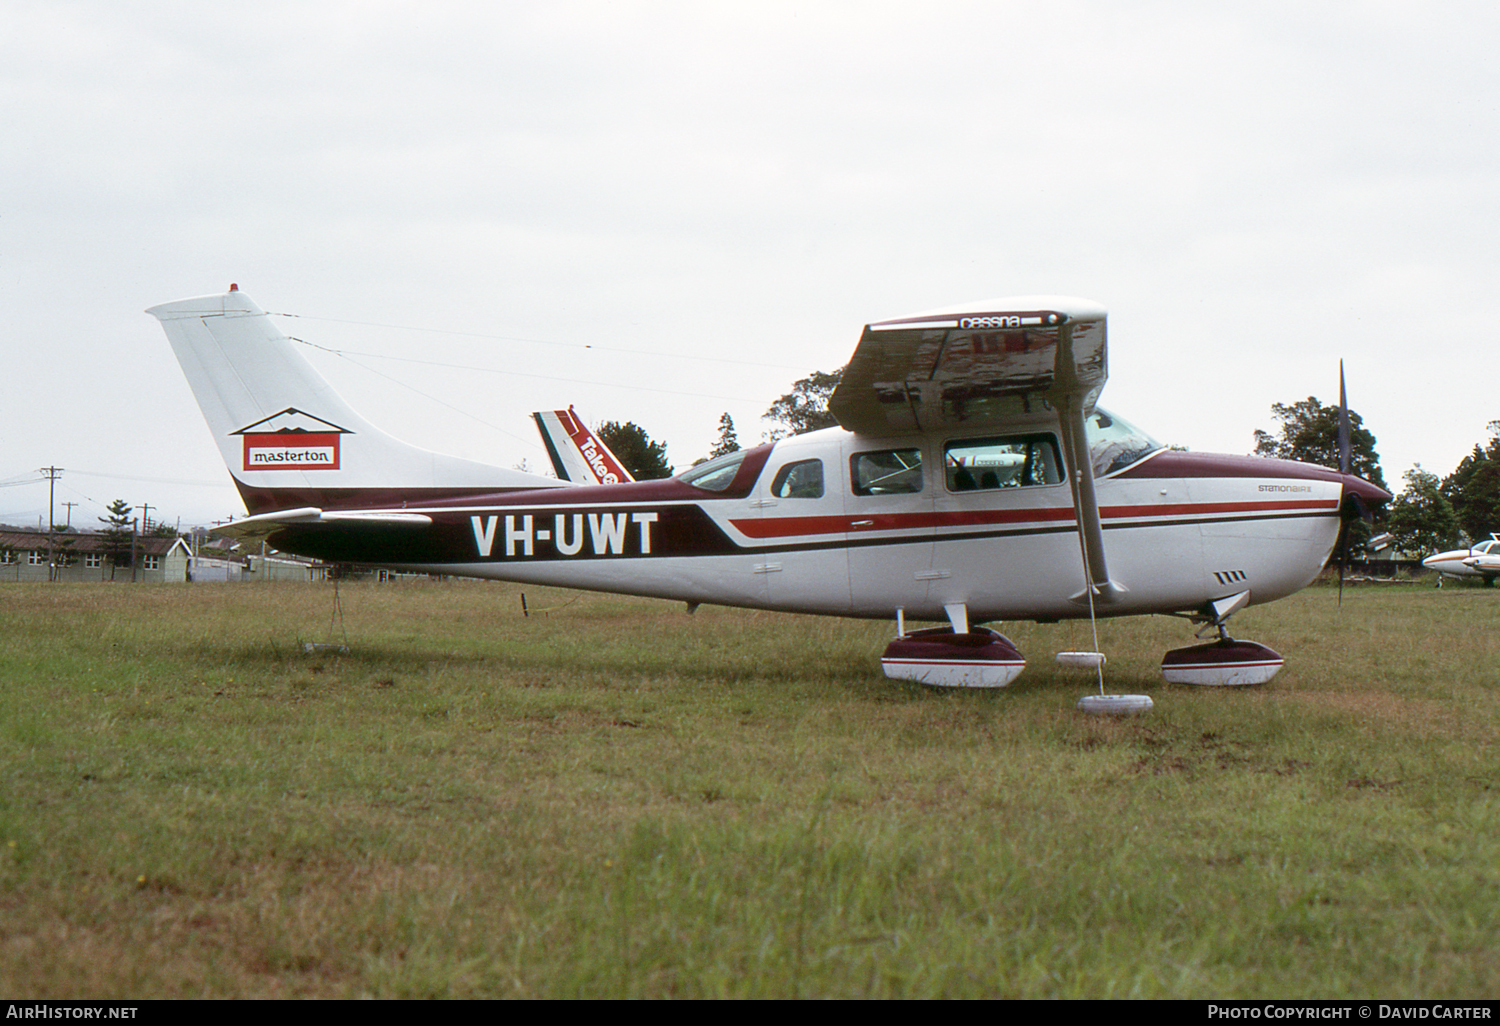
<point>972,479</point>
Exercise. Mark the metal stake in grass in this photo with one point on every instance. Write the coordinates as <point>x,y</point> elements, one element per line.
<point>336,617</point>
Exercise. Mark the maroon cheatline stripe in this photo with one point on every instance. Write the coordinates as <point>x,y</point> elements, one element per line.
<point>953,662</point>
<point>786,527</point>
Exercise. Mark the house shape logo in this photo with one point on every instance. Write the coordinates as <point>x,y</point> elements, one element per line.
<point>292,440</point>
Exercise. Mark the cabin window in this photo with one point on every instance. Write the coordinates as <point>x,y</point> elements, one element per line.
<point>801,480</point>
<point>715,475</point>
<point>1011,461</point>
<point>151,562</point>
<point>36,557</point>
<point>892,472</point>
<point>1115,443</point>
<point>93,559</point>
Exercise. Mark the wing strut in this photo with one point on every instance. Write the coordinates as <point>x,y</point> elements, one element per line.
<point>1068,396</point>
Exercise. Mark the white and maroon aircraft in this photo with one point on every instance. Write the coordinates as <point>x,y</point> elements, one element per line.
<point>1479,561</point>
<point>972,479</point>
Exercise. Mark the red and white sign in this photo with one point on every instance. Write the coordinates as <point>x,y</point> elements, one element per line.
<point>292,451</point>
<point>292,440</point>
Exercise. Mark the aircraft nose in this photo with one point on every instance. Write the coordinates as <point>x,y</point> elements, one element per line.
<point>1359,488</point>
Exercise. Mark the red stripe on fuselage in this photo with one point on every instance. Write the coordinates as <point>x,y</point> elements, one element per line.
<point>788,527</point>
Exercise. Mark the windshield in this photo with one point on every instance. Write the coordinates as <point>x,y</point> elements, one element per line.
<point>1115,443</point>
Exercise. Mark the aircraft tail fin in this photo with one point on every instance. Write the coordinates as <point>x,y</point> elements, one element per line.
<point>578,455</point>
<point>288,438</point>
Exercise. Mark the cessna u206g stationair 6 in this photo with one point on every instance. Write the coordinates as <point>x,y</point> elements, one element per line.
<point>972,479</point>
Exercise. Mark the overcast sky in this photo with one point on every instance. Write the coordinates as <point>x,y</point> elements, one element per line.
<point>714,197</point>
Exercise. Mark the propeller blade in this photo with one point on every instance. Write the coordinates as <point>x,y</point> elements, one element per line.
<point>1341,547</point>
<point>1344,459</point>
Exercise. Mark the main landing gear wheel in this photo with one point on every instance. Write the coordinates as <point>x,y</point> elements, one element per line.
<point>979,658</point>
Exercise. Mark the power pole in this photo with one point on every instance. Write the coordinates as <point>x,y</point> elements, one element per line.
<point>52,474</point>
<point>69,524</point>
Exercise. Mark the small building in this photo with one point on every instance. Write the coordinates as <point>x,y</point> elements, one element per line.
<point>27,554</point>
<point>35,555</point>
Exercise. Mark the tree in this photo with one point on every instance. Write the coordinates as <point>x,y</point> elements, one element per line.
<point>805,407</point>
<point>1310,434</point>
<point>62,551</point>
<point>727,442</point>
<point>1422,520</point>
<point>646,460</point>
<point>119,535</point>
<point>1474,488</point>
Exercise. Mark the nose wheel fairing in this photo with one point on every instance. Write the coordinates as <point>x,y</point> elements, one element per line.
<point>1225,662</point>
<point>1222,663</point>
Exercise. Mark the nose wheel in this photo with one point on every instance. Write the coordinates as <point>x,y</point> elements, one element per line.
<point>1226,662</point>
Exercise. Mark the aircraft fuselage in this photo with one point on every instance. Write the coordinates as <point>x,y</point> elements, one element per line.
<point>842,524</point>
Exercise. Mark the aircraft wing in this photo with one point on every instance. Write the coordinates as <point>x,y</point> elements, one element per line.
<point>977,364</point>
<point>972,365</point>
<point>263,526</point>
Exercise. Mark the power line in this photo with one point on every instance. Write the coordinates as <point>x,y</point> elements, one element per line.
<point>541,342</point>
<point>347,354</point>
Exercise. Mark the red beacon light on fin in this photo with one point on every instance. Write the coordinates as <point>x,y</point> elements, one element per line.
<point>233,287</point>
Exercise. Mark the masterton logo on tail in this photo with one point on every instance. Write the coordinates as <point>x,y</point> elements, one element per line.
<point>292,440</point>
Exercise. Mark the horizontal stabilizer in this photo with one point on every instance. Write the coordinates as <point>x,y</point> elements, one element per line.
<point>260,527</point>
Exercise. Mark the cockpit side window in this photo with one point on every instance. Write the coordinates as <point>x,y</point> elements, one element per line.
<point>1010,461</point>
<point>800,480</point>
<point>889,472</point>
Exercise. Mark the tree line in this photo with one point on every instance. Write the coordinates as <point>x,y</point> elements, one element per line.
<point>804,408</point>
<point>1430,513</point>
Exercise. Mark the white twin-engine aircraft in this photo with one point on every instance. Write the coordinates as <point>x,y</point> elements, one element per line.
<point>1481,561</point>
<point>972,479</point>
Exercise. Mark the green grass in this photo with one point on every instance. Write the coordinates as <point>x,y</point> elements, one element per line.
<point>615,799</point>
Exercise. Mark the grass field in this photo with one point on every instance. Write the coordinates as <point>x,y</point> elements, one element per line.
<point>612,798</point>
